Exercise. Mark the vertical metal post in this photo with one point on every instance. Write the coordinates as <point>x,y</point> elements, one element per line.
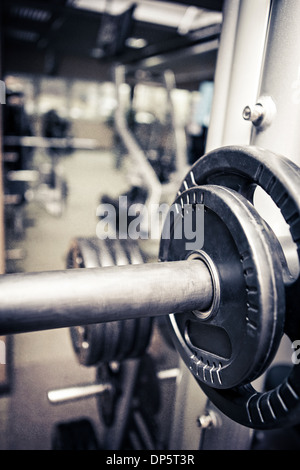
<point>238,70</point>
<point>237,80</point>
<point>281,81</point>
<point>190,403</point>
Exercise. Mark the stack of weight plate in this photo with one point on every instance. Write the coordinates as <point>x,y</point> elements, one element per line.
<point>117,340</point>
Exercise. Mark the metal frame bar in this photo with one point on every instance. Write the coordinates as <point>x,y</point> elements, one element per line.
<point>281,81</point>
<point>238,70</point>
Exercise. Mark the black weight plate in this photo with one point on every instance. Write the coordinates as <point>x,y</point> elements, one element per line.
<point>87,340</point>
<point>139,329</point>
<point>276,408</point>
<point>128,339</point>
<point>135,333</point>
<point>245,168</point>
<point>143,335</point>
<point>236,344</point>
<point>106,338</point>
<point>131,340</point>
<point>113,341</point>
<point>88,343</point>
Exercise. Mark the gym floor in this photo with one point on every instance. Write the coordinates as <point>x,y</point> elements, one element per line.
<point>42,361</point>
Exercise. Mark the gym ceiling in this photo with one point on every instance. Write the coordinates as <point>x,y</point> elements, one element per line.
<point>82,39</point>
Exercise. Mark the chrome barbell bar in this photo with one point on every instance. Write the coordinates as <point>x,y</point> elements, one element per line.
<point>57,299</point>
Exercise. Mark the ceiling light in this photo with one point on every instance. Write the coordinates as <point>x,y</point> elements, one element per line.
<point>136,43</point>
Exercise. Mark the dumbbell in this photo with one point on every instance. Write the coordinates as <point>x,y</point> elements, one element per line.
<point>229,300</point>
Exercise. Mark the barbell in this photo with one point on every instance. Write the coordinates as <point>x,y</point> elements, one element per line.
<point>57,299</point>
<point>229,300</point>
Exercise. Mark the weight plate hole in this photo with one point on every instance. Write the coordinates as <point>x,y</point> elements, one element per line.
<point>208,338</point>
<point>271,213</point>
<point>212,310</point>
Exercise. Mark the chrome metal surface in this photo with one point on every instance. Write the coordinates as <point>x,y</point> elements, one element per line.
<point>41,301</point>
<point>253,113</point>
<point>66,395</point>
<point>238,71</point>
<point>281,80</point>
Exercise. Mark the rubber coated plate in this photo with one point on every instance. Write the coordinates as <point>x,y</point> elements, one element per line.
<point>234,344</point>
<point>113,341</point>
<point>142,338</point>
<point>87,340</point>
<point>243,169</point>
